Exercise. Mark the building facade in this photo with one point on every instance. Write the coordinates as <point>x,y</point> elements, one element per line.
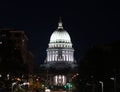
<point>60,63</point>
<point>14,52</point>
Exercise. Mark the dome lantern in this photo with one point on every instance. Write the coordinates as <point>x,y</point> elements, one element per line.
<point>60,24</point>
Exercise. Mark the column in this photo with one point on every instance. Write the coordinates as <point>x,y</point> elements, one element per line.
<point>67,55</point>
<point>50,55</point>
<point>53,55</point>
<point>47,55</point>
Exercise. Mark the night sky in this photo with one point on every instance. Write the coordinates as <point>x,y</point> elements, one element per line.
<point>89,22</point>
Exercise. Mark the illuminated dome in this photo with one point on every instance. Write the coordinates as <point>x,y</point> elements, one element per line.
<point>60,47</point>
<point>60,35</point>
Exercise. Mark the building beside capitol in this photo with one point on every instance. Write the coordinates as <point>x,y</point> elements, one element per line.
<point>60,65</point>
<point>14,52</point>
<point>16,61</point>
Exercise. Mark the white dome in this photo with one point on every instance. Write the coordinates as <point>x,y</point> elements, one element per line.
<point>60,35</point>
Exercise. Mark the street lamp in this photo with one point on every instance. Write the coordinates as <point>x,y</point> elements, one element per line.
<point>69,85</point>
<point>13,85</point>
<point>101,85</point>
<point>0,75</point>
<point>8,76</point>
<point>114,79</point>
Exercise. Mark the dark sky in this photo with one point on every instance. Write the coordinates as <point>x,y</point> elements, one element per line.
<point>87,21</point>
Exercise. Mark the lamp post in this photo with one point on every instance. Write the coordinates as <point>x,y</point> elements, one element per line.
<point>69,86</point>
<point>114,79</point>
<point>13,85</point>
<point>101,85</point>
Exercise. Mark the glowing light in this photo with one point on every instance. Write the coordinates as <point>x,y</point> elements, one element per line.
<point>8,76</point>
<point>112,78</point>
<point>26,83</point>
<point>18,79</point>
<point>56,80</point>
<point>47,90</point>
<point>0,42</point>
<point>36,79</point>
<point>60,79</point>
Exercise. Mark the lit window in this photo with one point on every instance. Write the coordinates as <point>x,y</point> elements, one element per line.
<point>59,80</point>
<point>0,42</point>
